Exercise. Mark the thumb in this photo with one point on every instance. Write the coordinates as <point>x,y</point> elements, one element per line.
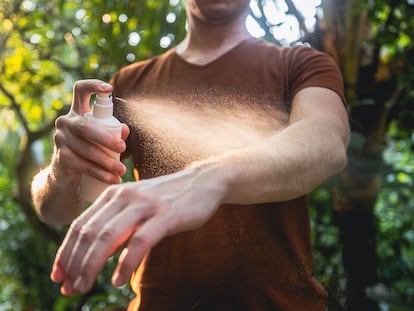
<point>82,91</point>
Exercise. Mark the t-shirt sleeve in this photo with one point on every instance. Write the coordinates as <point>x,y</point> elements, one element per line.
<point>308,67</point>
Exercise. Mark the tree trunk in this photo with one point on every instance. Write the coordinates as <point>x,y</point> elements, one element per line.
<point>356,193</point>
<point>354,201</point>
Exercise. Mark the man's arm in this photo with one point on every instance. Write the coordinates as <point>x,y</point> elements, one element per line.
<point>292,162</point>
<point>56,197</point>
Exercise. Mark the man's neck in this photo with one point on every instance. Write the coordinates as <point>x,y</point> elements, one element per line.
<point>205,43</point>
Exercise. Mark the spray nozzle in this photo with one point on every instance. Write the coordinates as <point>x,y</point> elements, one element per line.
<point>103,107</point>
<point>104,98</point>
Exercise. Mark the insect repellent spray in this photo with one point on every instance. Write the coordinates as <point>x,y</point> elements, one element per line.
<point>102,115</point>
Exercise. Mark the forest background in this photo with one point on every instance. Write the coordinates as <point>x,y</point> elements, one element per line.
<point>363,235</point>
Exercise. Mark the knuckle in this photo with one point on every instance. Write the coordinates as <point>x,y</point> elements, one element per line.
<point>108,233</point>
<point>83,125</point>
<point>85,233</point>
<point>141,240</point>
<point>91,170</point>
<point>77,226</point>
<point>60,121</point>
<point>77,86</point>
<point>89,151</point>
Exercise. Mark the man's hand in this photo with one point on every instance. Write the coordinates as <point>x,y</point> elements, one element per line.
<point>135,215</point>
<point>55,190</point>
<point>78,140</point>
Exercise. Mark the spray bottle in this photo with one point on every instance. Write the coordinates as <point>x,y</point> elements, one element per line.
<point>102,114</point>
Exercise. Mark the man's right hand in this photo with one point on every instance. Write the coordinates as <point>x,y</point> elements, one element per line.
<point>78,140</point>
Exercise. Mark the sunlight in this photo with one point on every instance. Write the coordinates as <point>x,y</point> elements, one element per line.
<point>254,28</point>
<point>40,179</point>
<point>285,27</point>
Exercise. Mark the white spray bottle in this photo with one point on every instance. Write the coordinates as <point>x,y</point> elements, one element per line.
<point>102,114</point>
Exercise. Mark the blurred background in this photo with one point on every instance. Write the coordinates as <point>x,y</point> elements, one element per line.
<point>363,219</point>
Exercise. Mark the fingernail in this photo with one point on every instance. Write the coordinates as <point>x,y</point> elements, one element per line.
<point>79,284</point>
<point>57,274</point>
<point>67,288</point>
<point>117,279</point>
<point>120,169</point>
<point>105,85</point>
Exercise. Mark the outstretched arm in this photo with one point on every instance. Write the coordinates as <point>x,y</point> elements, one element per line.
<point>292,162</point>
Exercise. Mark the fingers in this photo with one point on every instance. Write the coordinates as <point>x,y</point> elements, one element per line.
<point>125,132</point>
<point>95,161</point>
<point>80,147</point>
<point>87,246</point>
<point>82,91</point>
<point>89,148</point>
<point>143,239</point>
<point>72,126</point>
<point>100,231</point>
<point>87,129</point>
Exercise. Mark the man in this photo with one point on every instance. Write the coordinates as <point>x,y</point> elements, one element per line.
<point>226,231</point>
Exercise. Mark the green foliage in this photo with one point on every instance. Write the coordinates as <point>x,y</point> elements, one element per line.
<point>392,32</point>
<point>395,212</point>
<point>327,249</point>
<point>25,257</point>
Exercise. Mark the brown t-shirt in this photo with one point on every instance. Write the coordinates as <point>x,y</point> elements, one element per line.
<point>250,257</point>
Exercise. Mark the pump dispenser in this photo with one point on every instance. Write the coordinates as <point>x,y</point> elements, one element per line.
<point>102,114</point>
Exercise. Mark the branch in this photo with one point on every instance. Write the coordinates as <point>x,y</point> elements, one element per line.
<point>10,15</point>
<point>16,107</point>
<point>352,50</point>
<point>263,22</point>
<point>383,29</point>
<point>292,9</point>
<point>31,135</point>
<point>21,168</point>
<point>35,135</point>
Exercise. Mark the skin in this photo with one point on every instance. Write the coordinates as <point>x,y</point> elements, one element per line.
<point>134,217</point>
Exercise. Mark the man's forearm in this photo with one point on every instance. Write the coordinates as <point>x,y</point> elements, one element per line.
<point>56,200</point>
<point>288,165</point>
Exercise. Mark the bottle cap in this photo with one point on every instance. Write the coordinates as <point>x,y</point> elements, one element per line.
<point>104,98</point>
<point>103,106</point>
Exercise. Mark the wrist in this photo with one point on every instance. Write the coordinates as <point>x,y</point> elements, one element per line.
<point>213,177</point>
<point>61,177</point>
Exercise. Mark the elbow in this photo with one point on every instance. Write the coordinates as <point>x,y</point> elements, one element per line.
<point>342,160</point>
<point>343,149</point>
<point>339,158</point>
<point>340,150</point>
